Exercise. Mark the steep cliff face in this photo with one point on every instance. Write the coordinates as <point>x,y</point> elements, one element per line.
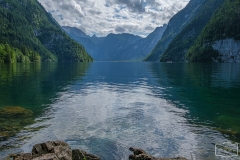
<point>26,24</point>
<point>219,40</point>
<point>228,49</point>
<point>178,48</point>
<point>175,26</point>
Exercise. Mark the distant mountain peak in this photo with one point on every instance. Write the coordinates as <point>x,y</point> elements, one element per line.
<point>160,28</point>
<point>75,31</point>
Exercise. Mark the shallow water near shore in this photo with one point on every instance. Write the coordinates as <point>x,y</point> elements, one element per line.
<point>104,108</point>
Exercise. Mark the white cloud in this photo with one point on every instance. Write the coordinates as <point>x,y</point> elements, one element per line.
<point>102,17</point>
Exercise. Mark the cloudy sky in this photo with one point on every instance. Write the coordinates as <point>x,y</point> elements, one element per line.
<point>101,17</point>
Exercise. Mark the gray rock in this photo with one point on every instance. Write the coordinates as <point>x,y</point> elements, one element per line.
<point>54,150</point>
<point>59,148</point>
<point>82,155</point>
<point>229,50</point>
<point>139,154</point>
<point>49,156</point>
<point>21,156</point>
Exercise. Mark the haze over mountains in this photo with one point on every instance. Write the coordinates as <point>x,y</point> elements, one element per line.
<point>117,47</point>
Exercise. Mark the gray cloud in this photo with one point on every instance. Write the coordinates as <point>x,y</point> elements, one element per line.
<point>120,29</point>
<point>150,28</point>
<point>93,12</point>
<point>102,17</point>
<point>132,5</point>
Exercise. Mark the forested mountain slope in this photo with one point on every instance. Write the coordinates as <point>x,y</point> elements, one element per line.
<point>178,48</point>
<point>27,27</point>
<point>175,25</point>
<point>220,39</point>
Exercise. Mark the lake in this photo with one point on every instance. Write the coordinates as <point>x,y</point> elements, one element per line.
<point>167,109</point>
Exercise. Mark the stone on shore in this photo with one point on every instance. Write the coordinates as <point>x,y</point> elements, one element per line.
<point>54,150</point>
<point>60,149</point>
<point>139,154</point>
<point>82,155</point>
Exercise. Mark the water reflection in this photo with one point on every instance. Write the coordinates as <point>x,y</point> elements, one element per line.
<point>210,93</point>
<point>109,117</point>
<point>166,109</point>
<point>32,86</point>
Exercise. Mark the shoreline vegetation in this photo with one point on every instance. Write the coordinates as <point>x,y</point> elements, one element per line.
<point>59,150</point>
<point>10,54</point>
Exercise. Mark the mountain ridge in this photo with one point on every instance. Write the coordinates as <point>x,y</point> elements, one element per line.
<point>117,47</point>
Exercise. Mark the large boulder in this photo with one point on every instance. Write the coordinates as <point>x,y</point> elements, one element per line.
<point>58,148</point>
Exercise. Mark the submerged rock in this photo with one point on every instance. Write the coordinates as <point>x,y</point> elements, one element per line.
<point>139,154</point>
<point>12,120</point>
<point>15,112</point>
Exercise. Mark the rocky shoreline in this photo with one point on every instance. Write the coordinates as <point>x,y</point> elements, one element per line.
<point>59,150</point>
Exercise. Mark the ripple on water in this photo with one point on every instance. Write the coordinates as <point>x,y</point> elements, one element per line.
<point>106,122</point>
<point>107,118</point>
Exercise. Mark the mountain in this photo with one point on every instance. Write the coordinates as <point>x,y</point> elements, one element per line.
<point>140,49</point>
<point>29,32</point>
<point>117,47</point>
<point>112,45</point>
<point>179,46</point>
<point>102,48</point>
<point>75,32</point>
<point>220,39</point>
<point>175,26</point>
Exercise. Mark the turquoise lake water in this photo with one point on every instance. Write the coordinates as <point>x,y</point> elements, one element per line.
<point>167,109</point>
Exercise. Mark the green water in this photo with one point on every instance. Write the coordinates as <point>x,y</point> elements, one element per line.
<point>211,93</point>
<point>116,105</point>
<point>35,85</point>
